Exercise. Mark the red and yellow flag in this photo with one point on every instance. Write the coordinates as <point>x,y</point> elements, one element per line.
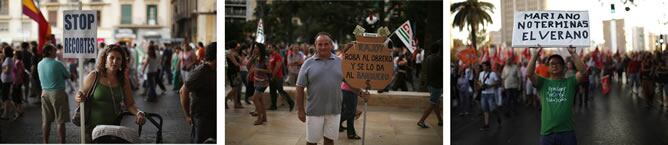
<point>44,29</point>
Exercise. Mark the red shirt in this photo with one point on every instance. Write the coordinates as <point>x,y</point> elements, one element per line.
<point>634,66</point>
<point>276,58</point>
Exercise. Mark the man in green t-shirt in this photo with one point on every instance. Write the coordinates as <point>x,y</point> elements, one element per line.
<point>556,97</point>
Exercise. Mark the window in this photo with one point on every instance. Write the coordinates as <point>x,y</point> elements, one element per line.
<point>96,1</point>
<point>4,26</point>
<point>126,14</point>
<point>26,26</point>
<point>4,7</point>
<point>53,18</point>
<point>151,14</point>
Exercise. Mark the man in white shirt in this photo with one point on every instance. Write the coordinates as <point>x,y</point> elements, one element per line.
<point>511,82</point>
<point>487,83</point>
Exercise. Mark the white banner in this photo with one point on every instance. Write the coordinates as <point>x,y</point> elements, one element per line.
<point>259,37</point>
<point>80,34</point>
<point>551,29</point>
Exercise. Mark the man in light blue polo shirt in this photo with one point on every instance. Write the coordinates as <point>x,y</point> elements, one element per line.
<point>322,75</point>
<point>55,105</point>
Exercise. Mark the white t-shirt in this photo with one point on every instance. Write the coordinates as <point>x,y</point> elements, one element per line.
<point>511,78</point>
<point>488,78</point>
<point>8,77</point>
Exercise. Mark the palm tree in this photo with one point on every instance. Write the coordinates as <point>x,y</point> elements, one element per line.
<point>472,13</point>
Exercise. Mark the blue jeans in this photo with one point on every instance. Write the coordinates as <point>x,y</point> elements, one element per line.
<point>152,78</point>
<point>465,101</point>
<point>348,110</point>
<point>435,94</point>
<point>488,102</point>
<point>562,138</point>
<point>635,80</point>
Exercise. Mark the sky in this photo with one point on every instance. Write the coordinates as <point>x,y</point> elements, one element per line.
<point>645,13</point>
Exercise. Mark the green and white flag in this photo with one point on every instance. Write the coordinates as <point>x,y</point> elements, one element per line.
<point>259,36</point>
<point>405,34</point>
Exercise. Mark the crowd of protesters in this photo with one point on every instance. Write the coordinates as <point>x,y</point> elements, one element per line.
<point>499,84</point>
<point>269,66</point>
<point>122,69</point>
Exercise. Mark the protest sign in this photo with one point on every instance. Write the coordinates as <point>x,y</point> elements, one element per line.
<point>80,34</point>
<point>368,63</point>
<point>551,29</point>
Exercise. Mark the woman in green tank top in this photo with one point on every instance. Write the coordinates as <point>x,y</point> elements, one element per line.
<point>111,90</point>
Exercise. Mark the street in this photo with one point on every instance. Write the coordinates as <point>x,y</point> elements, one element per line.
<point>27,129</point>
<point>614,119</point>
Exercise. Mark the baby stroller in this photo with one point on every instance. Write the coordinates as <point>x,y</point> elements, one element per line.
<point>123,134</point>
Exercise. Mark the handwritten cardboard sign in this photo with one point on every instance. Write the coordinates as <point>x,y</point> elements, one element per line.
<point>368,64</point>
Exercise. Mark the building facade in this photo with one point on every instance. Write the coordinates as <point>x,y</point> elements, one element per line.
<point>239,10</point>
<point>118,20</point>
<point>194,20</point>
<point>620,35</point>
<point>14,26</point>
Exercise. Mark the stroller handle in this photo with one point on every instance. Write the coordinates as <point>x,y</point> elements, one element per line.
<point>151,117</point>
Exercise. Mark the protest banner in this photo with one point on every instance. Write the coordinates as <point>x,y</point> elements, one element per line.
<point>468,56</point>
<point>368,63</point>
<point>80,34</point>
<point>551,29</point>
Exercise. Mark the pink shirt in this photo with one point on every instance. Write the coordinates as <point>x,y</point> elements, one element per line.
<point>345,86</point>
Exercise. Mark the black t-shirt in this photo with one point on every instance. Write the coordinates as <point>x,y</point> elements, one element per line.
<point>435,70</point>
<point>202,85</point>
<point>167,57</point>
<point>26,57</point>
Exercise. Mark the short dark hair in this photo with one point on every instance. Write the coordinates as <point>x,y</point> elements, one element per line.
<point>325,34</point>
<point>8,51</point>
<point>558,57</point>
<point>435,48</point>
<point>48,48</point>
<point>486,63</point>
<point>231,45</point>
<point>25,45</point>
<point>210,54</point>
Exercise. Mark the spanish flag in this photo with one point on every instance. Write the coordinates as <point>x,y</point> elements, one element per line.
<point>44,32</point>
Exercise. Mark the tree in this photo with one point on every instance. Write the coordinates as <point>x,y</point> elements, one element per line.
<point>472,13</point>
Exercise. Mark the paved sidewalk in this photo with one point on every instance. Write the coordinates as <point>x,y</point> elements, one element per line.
<point>28,128</point>
<point>385,126</point>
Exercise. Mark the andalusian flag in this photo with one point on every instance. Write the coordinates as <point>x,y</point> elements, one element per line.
<point>259,37</point>
<point>405,34</point>
<point>44,32</point>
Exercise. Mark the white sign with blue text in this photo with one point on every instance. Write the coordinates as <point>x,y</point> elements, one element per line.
<point>80,34</point>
